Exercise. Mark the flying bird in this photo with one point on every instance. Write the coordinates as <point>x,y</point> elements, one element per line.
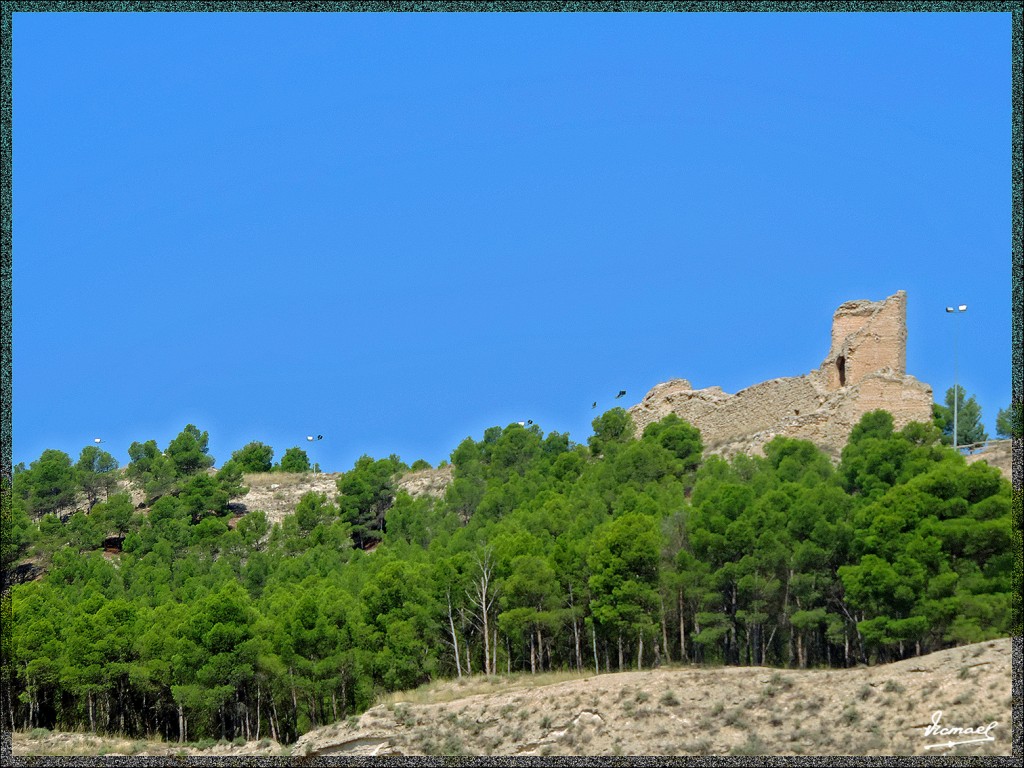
<point>594,405</point>
<point>529,421</point>
<point>622,393</point>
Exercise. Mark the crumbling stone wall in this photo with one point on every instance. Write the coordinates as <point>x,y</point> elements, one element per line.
<point>864,370</point>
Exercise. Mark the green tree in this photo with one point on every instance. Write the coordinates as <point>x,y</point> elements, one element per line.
<point>254,457</point>
<point>294,460</point>
<point>679,438</point>
<point>623,559</point>
<point>150,468</point>
<point>187,452</point>
<point>611,428</point>
<point>969,428</point>
<point>116,514</point>
<point>49,485</point>
<point>1009,420</point>
<point>366,491</point>
<point>95,473</point>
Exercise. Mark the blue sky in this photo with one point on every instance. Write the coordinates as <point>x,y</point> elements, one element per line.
<point>398,230</point>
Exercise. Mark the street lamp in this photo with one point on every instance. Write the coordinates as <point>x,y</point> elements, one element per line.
<point>956,387</point>
<point>310,438</point>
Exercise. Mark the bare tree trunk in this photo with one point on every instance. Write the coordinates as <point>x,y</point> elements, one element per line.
<point>682,628</point>
<point>621,664</point>
<point>494,645</point>
<point>576,637</point>
<point>483,598</point>
<point>575,631</point>
<point>257,713</point>
<point>455,637</point>
<point>664,631</point>
<point>593,637</point>
<point>640,650</point>
<point>533,657</point>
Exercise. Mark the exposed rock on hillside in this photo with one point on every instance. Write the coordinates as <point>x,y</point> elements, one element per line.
<point>865,370</point>
<point>426,482</point>
<point>278,493</point>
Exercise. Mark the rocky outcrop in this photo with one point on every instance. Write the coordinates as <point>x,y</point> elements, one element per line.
<point>426,482</point>
<point>865,370</point>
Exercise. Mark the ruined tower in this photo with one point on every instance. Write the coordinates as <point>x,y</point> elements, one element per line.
<point>865,370</point>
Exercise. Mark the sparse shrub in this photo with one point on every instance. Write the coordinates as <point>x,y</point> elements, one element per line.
<point>404,716</point>
<point>891,686</point>
<point>545,722</point>
<point>702,747</point>
<point>965,672</point>
<point>775,721</point>
<point>353,721</point>
<point>966,697</point>
<point>735,718</point>
<point>850,716</point>
<point>239,741</point>
<point>641,697</point>
<point>718,708</point>
<point>865,692</point>
<point>39,733</point>
<point>668,699</point>
<point>264,743</point>
<point>204,744</point>
<point>753,746</point>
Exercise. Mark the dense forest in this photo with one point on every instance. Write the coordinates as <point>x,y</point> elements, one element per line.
<point>626,552</point>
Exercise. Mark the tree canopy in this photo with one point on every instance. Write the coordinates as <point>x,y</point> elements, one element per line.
<point>185,620</point>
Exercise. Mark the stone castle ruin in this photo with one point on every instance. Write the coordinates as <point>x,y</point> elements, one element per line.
<point>865,370</point>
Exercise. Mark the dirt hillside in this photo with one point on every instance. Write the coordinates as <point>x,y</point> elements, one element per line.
<point>882,710</point>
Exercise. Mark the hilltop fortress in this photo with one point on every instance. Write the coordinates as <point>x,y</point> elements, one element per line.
<point>865,370</point>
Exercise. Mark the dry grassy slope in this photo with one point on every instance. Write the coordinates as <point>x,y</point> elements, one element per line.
<point>880,710</point>
<point>685,710</point>
<point>997,454</point>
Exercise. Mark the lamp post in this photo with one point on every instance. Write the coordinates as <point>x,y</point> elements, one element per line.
<point>960,308</point>
<point>311,439</point>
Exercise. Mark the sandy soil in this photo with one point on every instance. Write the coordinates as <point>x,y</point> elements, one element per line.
<point>882,710</point>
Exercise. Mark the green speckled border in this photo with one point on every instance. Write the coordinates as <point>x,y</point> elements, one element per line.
<point>9,7</point>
